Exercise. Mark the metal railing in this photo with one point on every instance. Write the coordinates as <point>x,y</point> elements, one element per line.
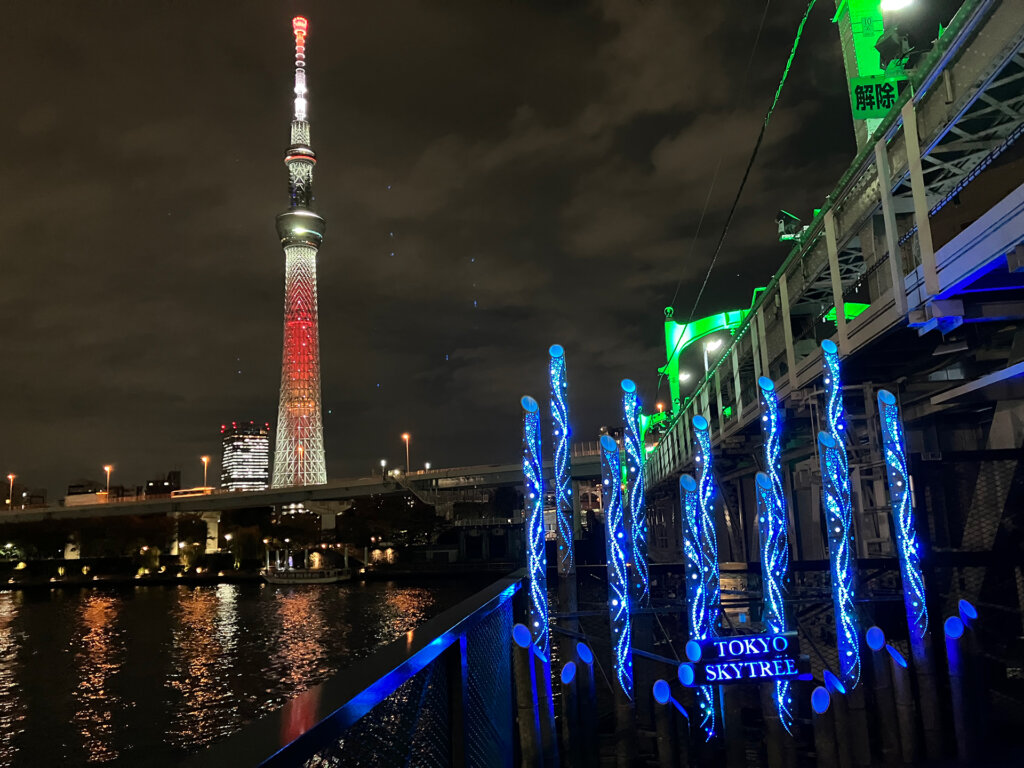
<point>439,695</point>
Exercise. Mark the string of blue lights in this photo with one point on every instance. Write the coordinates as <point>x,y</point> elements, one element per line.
<point>536,560</point>
<point>772,523</point>
<point>617,545</point>
<point>698,611</point>
<point>835,471</point>
<point>636,513</point>
<point>839,519</point>
<point>903,514</point>
<point>563,481</point>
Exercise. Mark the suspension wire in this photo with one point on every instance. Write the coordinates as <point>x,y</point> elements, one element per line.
<point>714,178</point>
<point>746,173</point>
<point>753,157</point>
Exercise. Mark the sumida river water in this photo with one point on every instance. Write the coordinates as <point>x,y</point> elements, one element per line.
<point>142,676</point>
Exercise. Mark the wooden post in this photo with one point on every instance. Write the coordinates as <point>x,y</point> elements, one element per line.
<point>570,730</point>
<point>824,728</point>
<point>588,702</point>
<point>885,704</point>
<point>545,706</point>
<point>526,696</point>
<point>904,705</point>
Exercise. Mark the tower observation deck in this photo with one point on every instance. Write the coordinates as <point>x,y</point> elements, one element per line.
<point>299,449</point>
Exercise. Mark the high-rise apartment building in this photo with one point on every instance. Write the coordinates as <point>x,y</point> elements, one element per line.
<point>245,464</point>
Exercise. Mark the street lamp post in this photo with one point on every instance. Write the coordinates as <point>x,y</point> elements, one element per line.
<point>710,346</point>
<point>206,465</point>
<point>405,436</point>
<point>10,493</point>
<point>426,466</point>
<point>383,465</point>
<point>107,468</point>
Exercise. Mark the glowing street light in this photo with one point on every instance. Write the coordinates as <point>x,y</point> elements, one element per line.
<point>426,466</point>
<point>684,376</point>
<point>710,346</point>
<point>383,466</point>
<point>206,465</point>
<point>10,493</point>
<point>108,468</point>
<point>895,5</point>
<point>405,436</point>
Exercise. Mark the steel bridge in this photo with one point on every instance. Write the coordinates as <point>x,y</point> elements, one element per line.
<point>926,227</point>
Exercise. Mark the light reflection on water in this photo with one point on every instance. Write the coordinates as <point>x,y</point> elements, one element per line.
<point>98,653</point>
<point>12,711</point>
<point>205,661</point>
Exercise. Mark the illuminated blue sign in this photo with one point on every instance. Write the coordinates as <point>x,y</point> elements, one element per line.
<point>746,658</point>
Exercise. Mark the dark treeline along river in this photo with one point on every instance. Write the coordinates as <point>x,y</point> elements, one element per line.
<point>142,676</point>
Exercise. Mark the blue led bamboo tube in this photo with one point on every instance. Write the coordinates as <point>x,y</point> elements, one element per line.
<point>536,560</point>
<point>636,514</point>
<point>561,435</point>
<point>835,417</point>
<point>617,546</point>
<point>771,524</point>
<point>835,498</point>
<point>701,608</point>
<point>773,529</point>
<point>903,515</point>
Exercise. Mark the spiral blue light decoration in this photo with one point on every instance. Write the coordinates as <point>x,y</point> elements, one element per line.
<point>708,537</point>
<point>834,414</point>
<point>536,560</point>
<point>903,514</point>
<point>839,519</point>
<point>772,524</point>
<point>563,480</point>
<point>698,613</point>
<point>617,545</point>
<point>636,512</point>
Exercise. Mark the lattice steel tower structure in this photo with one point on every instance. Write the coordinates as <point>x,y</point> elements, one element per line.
<point>299,450</point>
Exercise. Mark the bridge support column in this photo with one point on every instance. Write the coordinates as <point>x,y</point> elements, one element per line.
<point>212,520</point>
<point>924,227</point>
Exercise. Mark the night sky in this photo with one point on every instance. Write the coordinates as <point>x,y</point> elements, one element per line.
<point>496,177</point>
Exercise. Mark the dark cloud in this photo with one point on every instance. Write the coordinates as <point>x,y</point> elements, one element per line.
<point>496,177</point>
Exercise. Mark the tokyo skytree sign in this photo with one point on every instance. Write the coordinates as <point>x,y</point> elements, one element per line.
<point>299,451</point>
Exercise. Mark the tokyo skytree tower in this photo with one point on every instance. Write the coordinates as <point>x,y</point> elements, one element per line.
<point>299,451</point>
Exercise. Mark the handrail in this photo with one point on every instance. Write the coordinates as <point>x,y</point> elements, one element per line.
<point>315,718</point>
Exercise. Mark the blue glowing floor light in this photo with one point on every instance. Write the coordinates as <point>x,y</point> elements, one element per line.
<point>563,480</point>
<point>903,515</point>
<point>699,613</point>
<point>617,545</point>
<point>636,514</point>
<point>772,525</point>
<point>839,519</point>
<point>536,561</point>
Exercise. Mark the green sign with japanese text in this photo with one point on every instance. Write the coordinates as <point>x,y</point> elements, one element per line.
<point>873,96</point>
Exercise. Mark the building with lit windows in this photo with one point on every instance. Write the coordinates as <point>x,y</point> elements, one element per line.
<point>245,463</point>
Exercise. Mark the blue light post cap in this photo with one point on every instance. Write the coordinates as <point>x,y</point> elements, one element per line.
<point>699,422</point>
<point>875,638</point>
<point>662,693</point>
<point>829,347</point>
<point>555,350</point>
<point>584,653</point>
<point>628,385</point>
<point>896,656</point>
<point>968,612</point>
<point>687,483</point>
<point>693,650</point>
<point>529,404</point>
<point>833,683</point>
<point>885,397</point>
<point>568,672</point>
<point>521,635</point>
<point>820,700</point>
<point>766,384</point>
<point>686,674</point>
<point>954,628</point>
<point>826,440</point>
<point>608,444</point>
<point>763,480</point>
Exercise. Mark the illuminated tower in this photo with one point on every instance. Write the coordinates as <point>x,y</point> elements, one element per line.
<point>299,450</point>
